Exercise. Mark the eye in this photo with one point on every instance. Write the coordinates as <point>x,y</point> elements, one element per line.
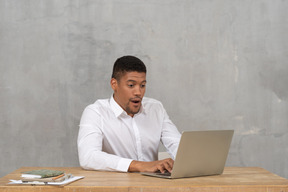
<point>130,85</point>
<point>142,86</point>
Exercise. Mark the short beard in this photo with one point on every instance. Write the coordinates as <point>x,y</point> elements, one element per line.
<point>129,111</point>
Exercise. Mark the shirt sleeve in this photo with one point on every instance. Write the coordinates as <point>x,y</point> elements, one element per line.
<point>89,142</point>
<point>170,136</point>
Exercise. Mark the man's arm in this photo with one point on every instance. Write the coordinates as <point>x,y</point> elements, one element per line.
<point>170,136</point>
<point>90,138</point>
<point>152,166</point>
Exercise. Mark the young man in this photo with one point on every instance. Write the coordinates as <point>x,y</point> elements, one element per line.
<point>123,133</point>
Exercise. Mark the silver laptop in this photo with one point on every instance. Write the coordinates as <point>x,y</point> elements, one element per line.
<point>200,153</point>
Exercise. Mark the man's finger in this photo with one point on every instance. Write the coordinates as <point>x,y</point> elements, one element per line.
<point>161,168</point>
<point>167,166</point>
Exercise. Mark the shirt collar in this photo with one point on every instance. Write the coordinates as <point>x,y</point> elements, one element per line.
<point>117,109</point>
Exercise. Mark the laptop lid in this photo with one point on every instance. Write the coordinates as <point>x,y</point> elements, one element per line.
<point>201,153</point>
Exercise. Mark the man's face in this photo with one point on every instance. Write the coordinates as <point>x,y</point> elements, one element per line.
<point>129,91</point>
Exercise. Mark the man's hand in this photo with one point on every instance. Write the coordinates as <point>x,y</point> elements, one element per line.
<point>152,166</point>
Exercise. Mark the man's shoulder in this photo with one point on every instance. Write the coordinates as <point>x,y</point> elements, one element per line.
<point>100,104</point>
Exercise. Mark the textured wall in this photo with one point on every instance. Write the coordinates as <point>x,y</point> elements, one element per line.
<point>215,64</point>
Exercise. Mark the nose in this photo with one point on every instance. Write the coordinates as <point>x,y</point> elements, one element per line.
<point>137,91</point>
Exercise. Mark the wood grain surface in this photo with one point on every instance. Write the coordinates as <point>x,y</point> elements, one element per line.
<point>252,179</point>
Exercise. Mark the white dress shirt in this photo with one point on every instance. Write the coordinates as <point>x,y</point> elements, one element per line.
<point>110,140</point>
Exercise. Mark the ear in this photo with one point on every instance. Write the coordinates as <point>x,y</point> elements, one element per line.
<point>114,84</point>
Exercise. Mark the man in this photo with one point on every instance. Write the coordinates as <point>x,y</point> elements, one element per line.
<point>123,133</point>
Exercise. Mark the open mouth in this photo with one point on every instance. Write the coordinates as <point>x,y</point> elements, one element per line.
<point>136,101</point>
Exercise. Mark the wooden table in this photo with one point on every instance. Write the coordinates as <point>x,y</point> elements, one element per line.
<point>251,179</point>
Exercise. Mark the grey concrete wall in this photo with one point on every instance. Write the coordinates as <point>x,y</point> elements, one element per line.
<point>215,64</point>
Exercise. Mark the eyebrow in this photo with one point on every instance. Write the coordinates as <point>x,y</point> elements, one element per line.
<point>136,81</point>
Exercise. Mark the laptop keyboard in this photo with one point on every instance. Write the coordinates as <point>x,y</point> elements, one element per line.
<point>167,173</point>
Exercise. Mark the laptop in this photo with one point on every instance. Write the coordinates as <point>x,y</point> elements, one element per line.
<point>200,153</point>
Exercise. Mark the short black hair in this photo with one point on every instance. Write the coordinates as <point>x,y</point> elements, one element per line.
<point>127,64</point>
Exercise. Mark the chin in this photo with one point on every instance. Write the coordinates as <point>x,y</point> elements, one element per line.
<point>134,111</point>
